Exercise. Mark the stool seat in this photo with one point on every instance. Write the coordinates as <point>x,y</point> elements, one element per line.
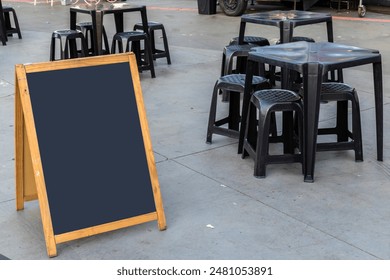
<point>257,139</point>
<point>258,41</point>
<point>134,39</point>
<point>233,85</point>
<point>152,27</point>
<point>300,39</point>
<point>68,44</point>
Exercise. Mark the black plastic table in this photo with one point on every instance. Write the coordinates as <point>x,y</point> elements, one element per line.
<point>98,11</point>
<point>286,21</point>
<point>313,61</point>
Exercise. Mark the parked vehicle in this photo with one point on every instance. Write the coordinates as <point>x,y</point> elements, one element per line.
<point>238,7</point>
<point>233,7</point>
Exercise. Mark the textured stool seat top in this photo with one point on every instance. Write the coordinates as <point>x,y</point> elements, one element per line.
<point>259,41</point>
<point>151,24</point>
<point>240,47</point>
<point>84,23</point>
<point>301,38</point>
<point>239,80</point>
<point>276,95</point>
<point>66,31</point>
<point>333,87</point>
<point>130,34</point>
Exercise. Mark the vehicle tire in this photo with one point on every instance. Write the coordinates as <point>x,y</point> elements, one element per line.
<point>233,7</point>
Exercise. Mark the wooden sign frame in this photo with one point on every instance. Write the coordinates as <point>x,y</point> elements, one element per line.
<point>30,174</point>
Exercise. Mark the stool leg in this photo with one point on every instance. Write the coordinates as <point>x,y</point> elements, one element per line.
<point>342,121</point>
<point>357,128</point>
<point>250,138</point>
<point>152,41</point>
<point>166,48</point>
<point>105,39</point>
<point>301,144</point>
<point>223,64</point>
<point>288,132</point>
<point>65,52</point>
<point>63,49</point>
<point>52,49</point>
<point>135,48</point>
<point>149,57</point>
<point>234,110</point>
<point>262,145</point>
<point>84,47</point>
<point>89,40</point>
<point>273,127</point>
<point>72,48</point>
<point>113,48</point>
<point>7,21</point>
<point>212,114</point>
<point>228,63</point>
<point>16,24</point>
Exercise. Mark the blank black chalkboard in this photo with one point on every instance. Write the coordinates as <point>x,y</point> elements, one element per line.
<point>91,145</point>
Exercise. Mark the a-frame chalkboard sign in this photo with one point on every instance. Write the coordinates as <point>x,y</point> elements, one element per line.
<point>82,147</point>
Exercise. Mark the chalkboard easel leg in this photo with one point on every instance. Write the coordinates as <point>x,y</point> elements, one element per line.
<point>51,248</point>
<point>19,137</point>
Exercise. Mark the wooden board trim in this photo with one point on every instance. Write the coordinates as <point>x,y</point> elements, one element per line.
<point>19,150</point>
<point>78,63</point>
<point>148,148</point>
<point>77,234</point>
<point>36,160</point>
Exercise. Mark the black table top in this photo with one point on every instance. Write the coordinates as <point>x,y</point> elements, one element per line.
<point>276,17</point>
<point>106,7</point>
<point>330,55</point>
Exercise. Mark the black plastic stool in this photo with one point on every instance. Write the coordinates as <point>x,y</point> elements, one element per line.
<point>258,41</point>
<point>346,139</point>
<point>87,28</point>
<point>68,44</point>
<point>257,139</point>
<point>152,27</point>
<point>235,51</point>
<point>234,85</point>
<point>134,38</point>
<point>8,27</point>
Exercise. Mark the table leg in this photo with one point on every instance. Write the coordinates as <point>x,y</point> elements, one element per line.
<point>378,88</point>
<point>97,23</point>
<point>312,79</point>
<point>329,28</point>
<point>144,18</point>
<point>73,18</point>
<point>286,32</point>
<point>242,33</point>
<point>118,22</point>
